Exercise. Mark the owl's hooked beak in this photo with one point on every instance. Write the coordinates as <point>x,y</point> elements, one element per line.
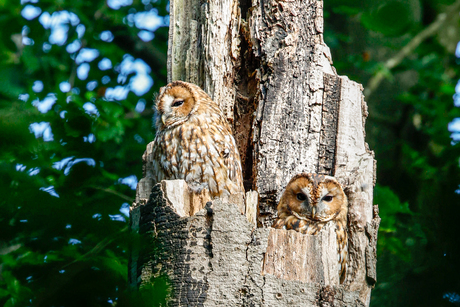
<point>313,212</point>
<point>164,118</point>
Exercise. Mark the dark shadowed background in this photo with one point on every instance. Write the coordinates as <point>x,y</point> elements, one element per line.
<point>76,86</point>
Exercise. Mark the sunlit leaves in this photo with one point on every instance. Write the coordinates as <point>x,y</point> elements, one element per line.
<point>15,293</point>
<point>65,146</point>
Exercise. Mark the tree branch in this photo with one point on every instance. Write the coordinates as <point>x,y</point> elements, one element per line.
<point>122,196</point>
<point>98,248</point>
<point>391,63</point>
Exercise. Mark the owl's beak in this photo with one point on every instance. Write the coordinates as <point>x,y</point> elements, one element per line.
<point>313,212</point>
<point>163,119</point>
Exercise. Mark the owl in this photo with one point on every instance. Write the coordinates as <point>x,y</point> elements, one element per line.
<point>309,202</point>
<point>193,142</point>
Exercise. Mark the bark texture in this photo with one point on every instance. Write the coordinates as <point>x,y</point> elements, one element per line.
<point>266,64</point>
<point>203,47</point>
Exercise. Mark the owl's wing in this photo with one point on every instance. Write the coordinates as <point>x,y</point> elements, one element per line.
<point>224,161</point>
<point>289,222</point>
<point>233,162</point>
<point>152,159</point>
<point>303,226</point>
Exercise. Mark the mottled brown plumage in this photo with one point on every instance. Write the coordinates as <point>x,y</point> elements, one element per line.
<point>193,142</point>
<point>309,202</point>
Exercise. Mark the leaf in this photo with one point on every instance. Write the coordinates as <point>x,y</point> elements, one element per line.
<point>4,293</point>
<point>348,10</point>
<point>113,263</point>
<point>391,17</point>
<point>111,176</point>
<point>12,284</point>
<point>30,60</point>
<point>11,302</point>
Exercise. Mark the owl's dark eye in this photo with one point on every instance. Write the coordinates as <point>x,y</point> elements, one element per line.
<point>327,198</point>
<point>301,196</point>
<point>178,103</point>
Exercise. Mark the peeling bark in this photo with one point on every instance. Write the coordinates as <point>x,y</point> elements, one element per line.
<point>266,64</point>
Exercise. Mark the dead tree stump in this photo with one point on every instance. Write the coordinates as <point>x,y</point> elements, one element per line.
<point>266,64</point>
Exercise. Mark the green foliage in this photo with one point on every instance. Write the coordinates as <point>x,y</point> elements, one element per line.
<point>63,229</point>
<point>400,236</point>
<point>417,157</point>
<point>153,294</point>
<point>392,17</point>
<point>390,207</point>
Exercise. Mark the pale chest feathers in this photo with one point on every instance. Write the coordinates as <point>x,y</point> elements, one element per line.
<point>201,153</point>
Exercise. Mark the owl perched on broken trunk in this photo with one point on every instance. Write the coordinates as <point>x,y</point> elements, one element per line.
<point>193,142</point>
<point>309,202</point>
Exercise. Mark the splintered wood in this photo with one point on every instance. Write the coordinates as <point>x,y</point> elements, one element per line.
<point>184,202</point>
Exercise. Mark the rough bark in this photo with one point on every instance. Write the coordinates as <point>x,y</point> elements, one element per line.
<point>267,66</point>
<point>203,47</point>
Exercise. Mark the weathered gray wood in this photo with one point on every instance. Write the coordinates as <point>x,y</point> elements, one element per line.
<point>203,47</point>
<point>371,250</point>
<point>355,169</point>
<point>266,64</point>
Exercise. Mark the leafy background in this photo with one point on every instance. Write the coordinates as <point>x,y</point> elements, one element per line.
<point>76,82</point>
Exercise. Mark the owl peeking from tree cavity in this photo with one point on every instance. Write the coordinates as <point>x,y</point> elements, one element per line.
<point>309,202</point>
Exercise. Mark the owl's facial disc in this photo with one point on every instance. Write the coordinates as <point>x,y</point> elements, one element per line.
<point>172,110</point>
<point>329,201</point>
<point>318,208</point>
<point>174,106</point>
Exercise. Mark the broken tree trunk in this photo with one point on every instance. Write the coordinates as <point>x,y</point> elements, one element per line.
<point>267,66</point>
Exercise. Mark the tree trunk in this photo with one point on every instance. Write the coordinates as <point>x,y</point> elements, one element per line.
<point>267,66</point>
